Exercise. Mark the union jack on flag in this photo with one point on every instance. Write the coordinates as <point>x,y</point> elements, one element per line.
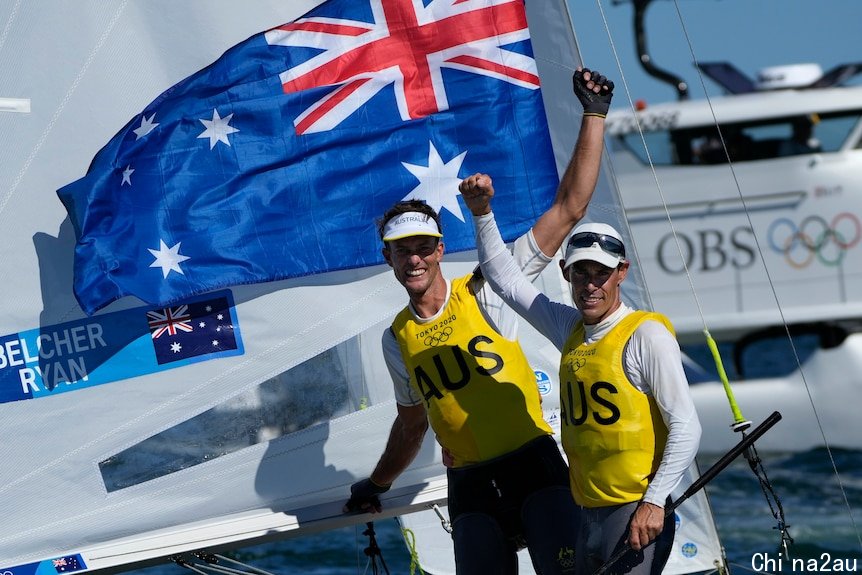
<point>68,564</point>
<point>407,45</point>
<point>199,329</point>
<point>275,161</point>
<point>169,321</point>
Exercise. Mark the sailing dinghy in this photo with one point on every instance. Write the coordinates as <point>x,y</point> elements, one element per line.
<point>142,430</point>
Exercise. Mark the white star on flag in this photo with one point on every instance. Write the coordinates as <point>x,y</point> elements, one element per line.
<point>438,182</point>
<point>167,258</point>
<point>176,347</point>
<point>146,127</point>
<point>217,129</point>
<point>127,176</point>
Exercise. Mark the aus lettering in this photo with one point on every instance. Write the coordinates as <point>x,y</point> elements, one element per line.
<point>706,250</point>
<point>577,404</point>
<point>455,371</point>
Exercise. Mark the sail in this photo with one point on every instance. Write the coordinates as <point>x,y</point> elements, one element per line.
<point>124,446</point>
<point>121,459</point>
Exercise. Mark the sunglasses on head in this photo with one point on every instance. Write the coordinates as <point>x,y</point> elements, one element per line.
<point>608,243</point>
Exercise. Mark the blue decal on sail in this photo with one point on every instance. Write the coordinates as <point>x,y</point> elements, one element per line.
<point>543,381</point>
<point>274,161</point>
<point>65,564</point>
<point>689,549</point>
<point>114,346</point>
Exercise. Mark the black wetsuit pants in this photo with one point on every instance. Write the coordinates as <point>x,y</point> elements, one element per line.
<point>603,532</point>
<point>519,499</point>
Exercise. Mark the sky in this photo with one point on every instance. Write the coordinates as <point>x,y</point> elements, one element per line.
<point>750,34</point>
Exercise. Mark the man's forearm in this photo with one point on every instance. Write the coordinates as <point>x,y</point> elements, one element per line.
<point>405,440</point>
<point>582,173</point>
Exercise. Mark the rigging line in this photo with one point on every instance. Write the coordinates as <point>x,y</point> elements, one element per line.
<point>211,568</point>
<point>186,565</point>
<point>212,560</point>
<point>738,419</point>
<point>8,27</point>
<point>609,173</point>
<point>373,551</point>
<point>650,162</point>
<point>612,174</point>
<point>62,106</point>
<point>768,276</point>
<point>777,510</point>
<point>737,414</point>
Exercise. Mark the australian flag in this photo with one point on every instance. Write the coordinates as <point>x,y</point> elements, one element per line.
<point>191,330</point>
<point>68,564</point>
<point>276,160</point>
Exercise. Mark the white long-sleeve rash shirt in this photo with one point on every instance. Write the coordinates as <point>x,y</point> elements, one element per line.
<point>652,358</point>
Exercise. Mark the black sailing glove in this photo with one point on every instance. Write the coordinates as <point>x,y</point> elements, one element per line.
<point>364,496</point>
<point>594,104</point>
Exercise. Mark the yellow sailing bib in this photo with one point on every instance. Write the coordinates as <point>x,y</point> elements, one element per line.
<point>479,390</point>
<point>613,434</point>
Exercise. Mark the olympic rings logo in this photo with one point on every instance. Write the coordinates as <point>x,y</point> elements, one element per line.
<point>815,237</point>
<point>439,337</point>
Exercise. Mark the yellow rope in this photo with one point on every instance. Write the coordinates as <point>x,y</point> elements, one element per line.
<point>410,539</point>
<point>716,356</point>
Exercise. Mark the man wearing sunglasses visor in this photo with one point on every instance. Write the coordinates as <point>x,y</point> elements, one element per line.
<point>629,427</point>
<point>456,364</point>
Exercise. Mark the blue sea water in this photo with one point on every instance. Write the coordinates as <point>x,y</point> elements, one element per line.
<point>825,521</point>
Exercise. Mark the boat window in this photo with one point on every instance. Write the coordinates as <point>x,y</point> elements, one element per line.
<point>700,366</point>
<point>764,356</point>
<point>745,141</point>
<point>661,149</point>
<point>833,130</point>
<point>312,392</point>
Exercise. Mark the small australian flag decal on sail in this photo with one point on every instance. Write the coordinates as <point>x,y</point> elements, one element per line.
<point>68,564</point>
<point>191,330</point>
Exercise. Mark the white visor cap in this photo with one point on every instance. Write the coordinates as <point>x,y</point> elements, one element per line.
<point>596,242</point>
<point>410,224</point>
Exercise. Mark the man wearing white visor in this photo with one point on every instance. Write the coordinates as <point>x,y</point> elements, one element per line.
<point>455,363</point>
<point>629,427</point>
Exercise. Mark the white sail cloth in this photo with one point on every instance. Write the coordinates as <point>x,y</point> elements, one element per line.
<point>261,480</point>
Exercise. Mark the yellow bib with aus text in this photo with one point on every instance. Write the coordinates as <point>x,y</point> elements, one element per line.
<point>479,389</point>
<point>613,433</point>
